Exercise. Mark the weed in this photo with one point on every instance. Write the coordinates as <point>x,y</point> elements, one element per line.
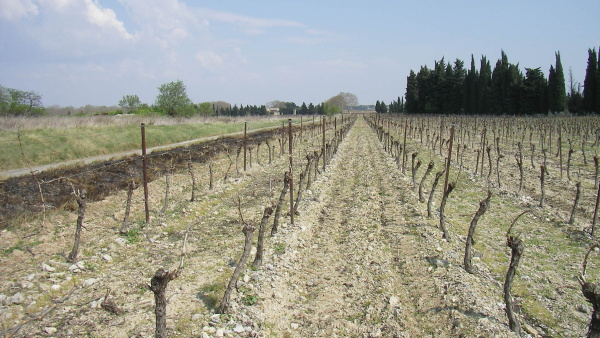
<point>89,266</point>
<point>279,248</point>
<point>133,235</point>
<point>18,246</point>
<point>250,299</point>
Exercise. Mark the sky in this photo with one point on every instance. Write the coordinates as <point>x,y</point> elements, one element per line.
<point>251,52</point>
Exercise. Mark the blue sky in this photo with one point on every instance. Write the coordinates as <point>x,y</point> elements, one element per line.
<point>77,52</point>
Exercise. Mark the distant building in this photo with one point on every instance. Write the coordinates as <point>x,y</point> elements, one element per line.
<point>274,111</point>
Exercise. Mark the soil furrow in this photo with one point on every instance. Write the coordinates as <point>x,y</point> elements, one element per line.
<point>359,267</point>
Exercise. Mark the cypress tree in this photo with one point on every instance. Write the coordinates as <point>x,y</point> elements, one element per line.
<point>598,84</point>
<point>470,94</point>
<point>590,82</point>
<point>559,89</point>
<point>412,93</point>
<point>484,84</point>
<point>424,89</point>
<point>556,87</point>
<point>551,91</point>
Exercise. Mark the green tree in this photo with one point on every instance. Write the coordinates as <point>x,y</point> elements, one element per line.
<point>412,93</point>
<point>456,85</point>
<point>330,109</point>
<point>337,101</point>
<point>173,100</point>
<point>383,108</point>
<point>590,82</point>
<point>206,108</point>
<point>505,87</point>
<point>470,89</point>
<point>424,84</point>
<point>130,102</point>
<point>556,87</point>
<point>598,84</point>
<point>533,97</point>
<point>303,109</point>
<point>311,109</point>
<point>19,102</point>
<point>575,98</point>
<point>484,87</point>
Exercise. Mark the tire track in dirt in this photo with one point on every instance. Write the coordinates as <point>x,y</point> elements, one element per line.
<point>357,267</point>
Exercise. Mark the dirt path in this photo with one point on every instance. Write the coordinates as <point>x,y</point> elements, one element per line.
<point>358,264</point>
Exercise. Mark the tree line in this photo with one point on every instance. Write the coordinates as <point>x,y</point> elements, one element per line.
<point>394,107</point>
<point>172,100</point>
<point>20,102</point>
<point>450,88</point>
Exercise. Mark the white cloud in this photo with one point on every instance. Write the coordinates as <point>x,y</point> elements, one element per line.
<point>13,10</point>
<point>165,23</point>
<point>209,59</point>
<point>251,25</point>
<point>57,5</point>
<point>105,18</point>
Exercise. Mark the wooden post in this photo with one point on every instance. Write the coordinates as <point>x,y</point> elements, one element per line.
<point>145,173</point>
<point>323,146</point>
<point>245,143</point>
<point>301,129</point>
<point>404,145</point>
<point>291,172</point>
<point>596,210</point>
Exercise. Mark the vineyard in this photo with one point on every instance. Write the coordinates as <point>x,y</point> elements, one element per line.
<point>365,226</point>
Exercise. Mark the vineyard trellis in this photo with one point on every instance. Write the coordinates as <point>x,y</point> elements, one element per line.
<point>502,137</point>
<point>171,163</point>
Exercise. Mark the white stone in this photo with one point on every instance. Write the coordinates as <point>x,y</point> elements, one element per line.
<point>90,281</point>
<point>295,326</point>
<point>17,298</point>
<point>394,301</point>
<point>50,330</point>
<point>220,332</point>
<point>27,285</point>
<point>209,329</point>
<point>107,258</point>
<point>238,328</point>
<point>30,277</point>
<point>55,287</point>
<point>121,241</point>
<point>246,278</point>
<point>46,267</point>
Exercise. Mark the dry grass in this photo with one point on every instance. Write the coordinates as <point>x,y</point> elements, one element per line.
<point>54,139</point>
<point>11,123</point>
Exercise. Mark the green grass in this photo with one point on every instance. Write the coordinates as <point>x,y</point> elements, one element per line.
<point>51,145</point>
<point>279,248</point>
<point>133,235</point>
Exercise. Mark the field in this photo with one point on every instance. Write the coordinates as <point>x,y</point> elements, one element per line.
<point>362,257</point>
<point>54,139</point>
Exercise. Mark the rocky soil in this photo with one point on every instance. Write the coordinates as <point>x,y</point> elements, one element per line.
<point>361,260</point>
